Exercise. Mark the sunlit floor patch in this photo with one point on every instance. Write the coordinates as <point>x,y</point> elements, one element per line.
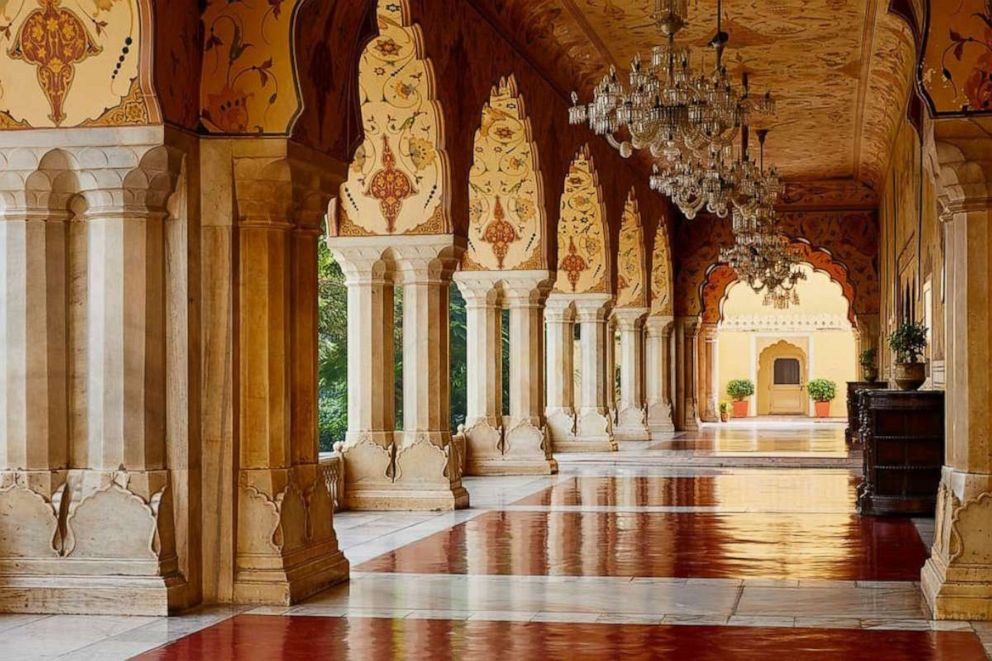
<point>835,546</point>
<point>251,637</point>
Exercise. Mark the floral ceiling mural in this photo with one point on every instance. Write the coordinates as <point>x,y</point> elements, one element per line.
<point>957,65</point>
<point>67,63</point>
<point>583,262</point>
<point>661,274</point>
<point>249,81</point>
<point>631,291</point>
<point>397,183</point>
<point>506,206</point>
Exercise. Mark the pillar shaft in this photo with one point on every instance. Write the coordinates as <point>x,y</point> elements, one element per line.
<point>631,410</point>
<point>658,331</point>
<point>484,331</point>
<point>559,323</point>
<point>594,424</point>
<point>707,400</point>
<point>686,359</point>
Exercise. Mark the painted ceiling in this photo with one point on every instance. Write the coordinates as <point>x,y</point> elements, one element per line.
<point>839,69</point>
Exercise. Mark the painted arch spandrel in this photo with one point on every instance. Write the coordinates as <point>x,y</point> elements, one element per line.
<point>506,207</point>
<point>661,274</point>
<point>397,179</point>
<point>69,63</point>
<point>583,263</point>
<point>630,258</point>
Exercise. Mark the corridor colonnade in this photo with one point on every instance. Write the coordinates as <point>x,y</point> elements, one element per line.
<point>158,300</point>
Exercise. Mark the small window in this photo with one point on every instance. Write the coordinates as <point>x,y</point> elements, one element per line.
<point>786,372</point>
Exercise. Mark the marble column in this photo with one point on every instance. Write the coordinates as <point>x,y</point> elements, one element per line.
<point>594,423</point>
<point>657,374</point>
<point>686,371</point>
<point>526,441</point>
<point>483,429</point>
<point>611,368</point>
<point>868,334</point>
<point>708,411</point>
<point>957,578</point>
<point>87,493</point>
<point>281,197</point>
<point>559,323</point>
<point>631,410</point>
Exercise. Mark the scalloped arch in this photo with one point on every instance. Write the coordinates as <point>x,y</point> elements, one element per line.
<point>398,181</point>
<point>583,239</point>
<point>506,197</point>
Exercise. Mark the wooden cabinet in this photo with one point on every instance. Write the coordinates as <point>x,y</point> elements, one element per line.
<point>853,432</point>
<point>903,435</point>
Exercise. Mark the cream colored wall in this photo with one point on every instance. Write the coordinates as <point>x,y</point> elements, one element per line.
<point>818,325</point>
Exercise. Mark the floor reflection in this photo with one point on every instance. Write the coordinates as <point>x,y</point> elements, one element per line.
<point>764,490</point>
<point>251,637</point>
<point>668,544</point>
<point>762,440</point>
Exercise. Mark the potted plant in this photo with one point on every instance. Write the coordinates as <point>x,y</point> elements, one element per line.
<point>822,392</point>
<point>724,411</point>
<point>739,390</point>
<point>908,341</point>
<point>869,366</point>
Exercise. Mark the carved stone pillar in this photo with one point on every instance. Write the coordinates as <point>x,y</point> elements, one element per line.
<point>594,424</point>
<point>631,410</point>
<point>657,374</point>
<point>707,361</point>
<point>610,353</point>
<point>957,578</point>
<point>286,546</point>
<point>686,366</point>
<point>484,375</point>
<point>559,322</point>
<point>87,496</point>
<point>426,463</point>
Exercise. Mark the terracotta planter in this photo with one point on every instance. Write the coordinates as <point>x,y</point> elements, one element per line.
<point>822,409</point>
<point>871,374</point>
<point>724,416</point>
<point>740,408</point>
<point>909,376</point>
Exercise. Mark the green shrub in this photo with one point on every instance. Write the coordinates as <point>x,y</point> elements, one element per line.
<point>821,390</point>
<point>738,389</point>
<point>725,407</point>
<point>908,340</point>
<point>868,357</point>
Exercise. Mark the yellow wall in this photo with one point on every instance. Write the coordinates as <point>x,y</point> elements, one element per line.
<point>818,326</point>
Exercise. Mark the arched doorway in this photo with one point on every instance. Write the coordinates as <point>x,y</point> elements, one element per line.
<point>782,369</point>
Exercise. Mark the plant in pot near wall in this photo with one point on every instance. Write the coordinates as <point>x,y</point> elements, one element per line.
<point>869,365</point>
<point>908,341</point>
<point>739,390</point>
<point>822,392</point>
<point>724,411</point>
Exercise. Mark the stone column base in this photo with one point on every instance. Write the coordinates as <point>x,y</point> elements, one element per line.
<point>631,425</point>
<point>415,471</point>
<point>89,541</point>
<point>516,448</point>
<point>957,578</point>
<point>593,433</point>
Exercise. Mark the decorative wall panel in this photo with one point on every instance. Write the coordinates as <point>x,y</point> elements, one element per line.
<point>583,251</point>
<point>631,290</point>
<point>69,63</point>
<point>248,82</point>
<point>398,179</point>
<point>661,274</point>
<point>506,204</point>
<point>957,65</point>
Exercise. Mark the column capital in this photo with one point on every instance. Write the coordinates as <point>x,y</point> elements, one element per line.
<point>629,318</point>
<point>559,309</point>
<point>592,307</point>
<point>526,288</point>
<point>479,288</point>
<point>427,258</point>
<point>657,325</point>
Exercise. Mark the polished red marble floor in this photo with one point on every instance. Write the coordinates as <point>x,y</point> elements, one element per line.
<point>756,440</point>
<point>768,489</point>
<point>836,546</point>
<point>251,637</point>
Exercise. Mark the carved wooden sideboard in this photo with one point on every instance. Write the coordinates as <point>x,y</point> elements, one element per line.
<point>853,432</point>
<point>903,436</point>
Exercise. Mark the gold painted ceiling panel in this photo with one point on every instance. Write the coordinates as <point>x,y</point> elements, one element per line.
<point>829,63</point>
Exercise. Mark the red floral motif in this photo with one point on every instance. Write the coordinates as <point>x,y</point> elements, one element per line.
<point>390,186</point>
<point>978,87</point>
<point>54,39</point>
<point>500,233</point>
<point>228,110</point>
<point>573,264</point>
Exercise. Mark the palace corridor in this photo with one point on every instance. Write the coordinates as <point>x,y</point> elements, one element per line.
<point>660,549</point>
<point>495,329</point>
